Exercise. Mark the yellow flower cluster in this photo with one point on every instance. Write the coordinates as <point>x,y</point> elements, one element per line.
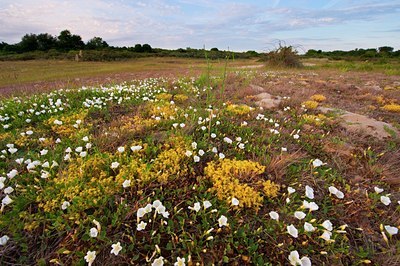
<point>314,119</point>
<point>180,98</point>
<point>67,129</point>
<point>318,98</point>
<point>168,165</point>
<point>394,108</point>
<point>270,188</point>
<point>85,182</point>
<point>311,105</point>
<point>238,109</point>
<point>164,96</point>
<point>165,110</point>
<point>229,177</point>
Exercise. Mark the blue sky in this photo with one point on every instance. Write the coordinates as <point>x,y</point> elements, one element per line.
<point>239,25</point>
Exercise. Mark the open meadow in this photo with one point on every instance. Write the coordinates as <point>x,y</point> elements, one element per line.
<point>167,161</point>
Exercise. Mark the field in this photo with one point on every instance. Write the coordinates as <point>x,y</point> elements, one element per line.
<point>162,161</point>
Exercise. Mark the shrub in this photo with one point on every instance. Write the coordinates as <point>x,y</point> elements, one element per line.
<point>310,104</point>
<point>394,108</point>
<point>284,56</point>
<point>318,98</point>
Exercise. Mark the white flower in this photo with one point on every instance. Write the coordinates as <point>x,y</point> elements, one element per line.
<point>141,226</point>
<point>3,240</point>
<point>188,153</point>
<point>12,150</point>
<point>309,192</point>
<point>90,257</point>
<point>43,152</point>
<point>241,146</point>
<point>196,159</point>
<point>65,205</point>
<point>326,235</point>
<point>194,145</point>
<point>391,229</point>
<point>385,200</point>
<point>46,165</point>
<point>85,138</point>
<point>12,173</point>
<point>378,190</point>
<point>182,125</point>
<point>291,190</point>
<point>148,208</point>
<point>158,262</point>
<point>292,230</point>
<point>8,190</point>
<point>274,215</point>
<point>116,248</point>
<point>121,149</point>
<point>327,225</point>
<point>6,200</point>
<point>157,203</point>
<point>227,140</point>
<point>140,213</point>
<point>44,174</point>
<point>114,165</point>
<point>294,259</point>
<point>206,204</point>
<point>221,155</point>
<point>235,201</point>
<point>180,262</point>
<point>213,135</point>
<point>19,160</point>
<point>310,205</point>
<point>317,163</point>
<point>201,152</point>
<point>196,207</point>
<point>339,194</point>
<point>296,136</point>
<point>83,154</point>
<point>127,183</point>
<point>136,148</point>
<point>222,221</point>
<point>93,232</point>
<point>299,215</point>
<point>79,149</point>
<point>309,227</point>
<point>283,149</point>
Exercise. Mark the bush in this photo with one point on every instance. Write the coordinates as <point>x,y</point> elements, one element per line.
<point>284,56</point>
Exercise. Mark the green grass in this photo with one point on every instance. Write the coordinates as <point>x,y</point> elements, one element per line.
<point>23,72</point>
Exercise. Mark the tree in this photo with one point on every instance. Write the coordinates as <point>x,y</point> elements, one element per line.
<point>147,48</point>
<point>214,49</point>
<point>138,48</point>
<point>385,50</point>
<point>28,43</point>
<point>67,41</point>
<point>46,42</point>
<point>96,43</point>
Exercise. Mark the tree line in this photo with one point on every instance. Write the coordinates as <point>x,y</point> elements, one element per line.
<point>370,53</point>
<point>68,46</point>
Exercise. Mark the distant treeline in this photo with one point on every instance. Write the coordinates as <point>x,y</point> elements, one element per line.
<point>371,53</point>
<point>70,46</point>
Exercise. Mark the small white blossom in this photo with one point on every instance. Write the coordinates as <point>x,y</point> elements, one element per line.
<point>121,149</point>
<point>206,204</point>
<point>378,190</point>
<point>93,232</point>
<point>180,262</point>
<point>235,201</point>
<point>196,207</point>
<point>127,183</point>
<point>317,163</point>
<point>141,226</point>
<point>158,262</point>
<point>309,227</point>
<point>385,200</point>
<point>309,192</point>
<point>299,215</point>
<point>222,221</point>
<point>391,230</point>
<point>116,248</point>
<point>292,230</point>
<point>327,225</point>
<point>274,215</point>
<point>114,165</point>
<point>65,205</point>
<point>90,257</point>
<point>3,240</point>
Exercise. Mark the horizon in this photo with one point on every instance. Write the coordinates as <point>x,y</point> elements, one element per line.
<point>237,26</point>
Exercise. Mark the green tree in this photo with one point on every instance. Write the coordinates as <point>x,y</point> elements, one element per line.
<point>96,43</point>
<point>385,50</point>
<point>138,48</point>
<point>147,48</point>
<point>28,43</point>
<point>46,42</point>
<point>67,41</point>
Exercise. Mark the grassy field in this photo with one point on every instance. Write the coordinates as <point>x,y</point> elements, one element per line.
<point>189,170</point>
<point>23,72</point>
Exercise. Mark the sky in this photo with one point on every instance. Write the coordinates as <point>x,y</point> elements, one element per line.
<point>227,24</point>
